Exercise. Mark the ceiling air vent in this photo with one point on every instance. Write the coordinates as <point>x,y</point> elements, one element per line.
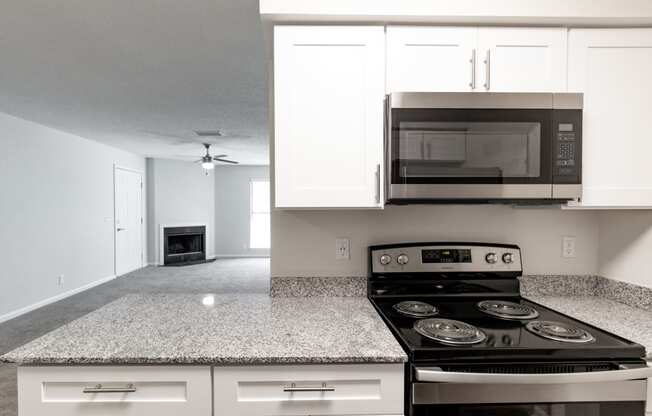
<point>208,133</point>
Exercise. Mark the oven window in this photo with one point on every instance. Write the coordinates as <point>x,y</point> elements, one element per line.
<point>545,409</point>
<point>467,149</point>
<point>470,146</point>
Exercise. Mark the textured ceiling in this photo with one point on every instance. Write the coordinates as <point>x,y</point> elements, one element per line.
<point>140,75</point>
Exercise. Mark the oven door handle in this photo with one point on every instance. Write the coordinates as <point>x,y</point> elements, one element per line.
<point>437,375</point>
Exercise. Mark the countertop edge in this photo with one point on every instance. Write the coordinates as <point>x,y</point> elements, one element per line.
<point>210,361</point>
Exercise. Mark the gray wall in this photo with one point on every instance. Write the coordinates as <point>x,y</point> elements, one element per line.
<point>56,212</point>
<point>179,193</point>
<point>626,246</point>
<point>303,242</point>
<point>232,209</point>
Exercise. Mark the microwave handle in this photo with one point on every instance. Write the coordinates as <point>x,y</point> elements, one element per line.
<point>437,375</point>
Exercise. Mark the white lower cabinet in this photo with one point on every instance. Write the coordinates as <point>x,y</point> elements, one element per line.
<point>361,389</point>
<point>115,391</point>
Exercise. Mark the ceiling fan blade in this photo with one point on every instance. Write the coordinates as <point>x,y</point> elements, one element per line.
<point>225,160</point>
<point>220,156</point>
<point>197,161</point>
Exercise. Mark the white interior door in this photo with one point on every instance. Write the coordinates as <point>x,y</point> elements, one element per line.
<point>128,221</point>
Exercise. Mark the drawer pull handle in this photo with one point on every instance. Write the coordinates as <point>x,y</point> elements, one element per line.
<point>293,388</point>
<point>98,388</point>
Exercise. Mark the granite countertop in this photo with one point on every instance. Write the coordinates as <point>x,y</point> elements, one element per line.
<point>627,321</point>
<point>234,329</point>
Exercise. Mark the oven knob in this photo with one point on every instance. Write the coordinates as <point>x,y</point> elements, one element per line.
<point>385,259</point>
<point>402,259</point>
<point>491,258</point>
<point>508,258</point>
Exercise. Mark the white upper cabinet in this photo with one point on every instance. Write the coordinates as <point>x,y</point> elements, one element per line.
<point>451,59</point>
<point>329,87</point>
<point>612,68</point>
<point>522,59</point>
<point>431,58</point>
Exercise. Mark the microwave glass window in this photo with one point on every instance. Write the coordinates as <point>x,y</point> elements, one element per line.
<point>469,149</point>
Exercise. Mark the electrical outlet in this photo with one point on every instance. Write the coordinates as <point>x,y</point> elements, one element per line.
<point>568,246</point>
<point>342,251</point>
<point>60,280</point>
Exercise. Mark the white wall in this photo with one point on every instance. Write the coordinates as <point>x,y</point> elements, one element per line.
<point>56,211</point>
<point>625,247</point>
<point>179,193</point>
<point>232,205</point>
<point>303,242</point>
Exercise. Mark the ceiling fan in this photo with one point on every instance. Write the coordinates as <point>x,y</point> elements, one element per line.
<point>207,161</point>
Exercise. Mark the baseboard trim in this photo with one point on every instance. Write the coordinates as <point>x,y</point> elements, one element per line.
<point>16,313</point>
<point>241,256</point>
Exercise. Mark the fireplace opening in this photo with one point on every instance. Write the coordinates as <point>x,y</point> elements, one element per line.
<point>184,245</point>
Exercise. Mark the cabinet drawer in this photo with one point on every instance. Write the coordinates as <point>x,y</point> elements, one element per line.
<point>360,389</point>
<point>156,390</point>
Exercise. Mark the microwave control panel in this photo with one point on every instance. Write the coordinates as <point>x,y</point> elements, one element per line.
<point>567,149</point>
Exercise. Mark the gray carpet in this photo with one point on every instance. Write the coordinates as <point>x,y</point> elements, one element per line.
<point>250,275</point>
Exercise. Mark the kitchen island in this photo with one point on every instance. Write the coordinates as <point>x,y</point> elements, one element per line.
<point>249,354</point>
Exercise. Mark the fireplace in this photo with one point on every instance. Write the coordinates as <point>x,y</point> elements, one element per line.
<point>184,245</point>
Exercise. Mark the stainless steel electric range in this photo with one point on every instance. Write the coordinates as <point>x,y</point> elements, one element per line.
<point>476,347</point>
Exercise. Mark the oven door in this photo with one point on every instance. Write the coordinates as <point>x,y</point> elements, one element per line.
<point>600,393</point>
<point>460,148</point>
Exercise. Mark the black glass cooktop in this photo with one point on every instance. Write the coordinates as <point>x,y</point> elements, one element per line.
<point>505,339</point>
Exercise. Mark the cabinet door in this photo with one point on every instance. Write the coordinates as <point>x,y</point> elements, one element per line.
<point>612,68</point>
<point>328,105</point>
<point>522,59</point>
<point>116,391</point>
<point>430,59</point>
<point>297,390</point>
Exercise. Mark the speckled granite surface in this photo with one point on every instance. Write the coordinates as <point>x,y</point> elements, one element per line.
<point>585,285</point>
<point>236,329</point>
<point>632,323</point>
<point>318,286</point>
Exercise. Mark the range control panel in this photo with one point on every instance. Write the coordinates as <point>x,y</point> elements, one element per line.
<point>433,257</point>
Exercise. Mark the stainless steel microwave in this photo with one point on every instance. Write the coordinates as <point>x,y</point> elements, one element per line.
<point>483,147</point>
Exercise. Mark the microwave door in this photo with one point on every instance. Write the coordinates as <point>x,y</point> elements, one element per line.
<point>470,160</point>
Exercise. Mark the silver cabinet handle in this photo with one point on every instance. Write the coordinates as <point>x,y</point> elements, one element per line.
<point>472,60</point>
<point>98,388</point>
<point>121,229</point>
<point>437,375</point>
<point>294,388</point>
<point>378,183</point>
<point>487,62</point>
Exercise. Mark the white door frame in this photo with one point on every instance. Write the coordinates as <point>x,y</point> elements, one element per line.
<point>115,219</point>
